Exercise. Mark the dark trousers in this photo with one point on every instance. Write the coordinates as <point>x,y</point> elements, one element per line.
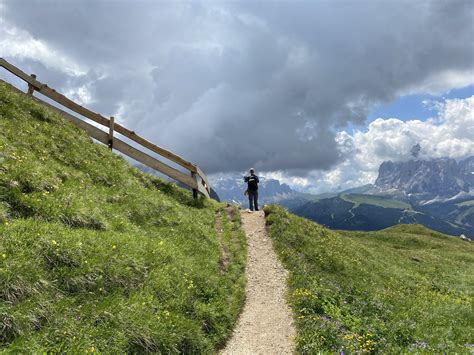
<point>253,200</point>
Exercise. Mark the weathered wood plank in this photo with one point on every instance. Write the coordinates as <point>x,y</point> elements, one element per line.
<point>111,132</point>
<point>153,147</point>
<point>53,95</point>
<point>195,191</point>
<point>203,177</point>
<point>31,88</point>
<point>153,163</point>
<point>203,190</point>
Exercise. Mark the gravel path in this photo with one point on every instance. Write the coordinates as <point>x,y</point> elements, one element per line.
<point>265,325</point>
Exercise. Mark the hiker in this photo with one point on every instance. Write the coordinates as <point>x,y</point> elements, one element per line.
<point>252,189</point>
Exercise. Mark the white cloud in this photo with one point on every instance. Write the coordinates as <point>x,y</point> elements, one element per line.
<point>81,95</point>
<point>441,82</point>
<point>449,134</point>
<point>18,43</point>
<point>296,182</point>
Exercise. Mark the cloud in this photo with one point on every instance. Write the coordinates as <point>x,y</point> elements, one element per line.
<point>19,43</point>
<point>449,134</point>
<point>238,84</point>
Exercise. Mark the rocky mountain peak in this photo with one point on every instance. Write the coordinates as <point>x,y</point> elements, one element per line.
<point>443,177</point>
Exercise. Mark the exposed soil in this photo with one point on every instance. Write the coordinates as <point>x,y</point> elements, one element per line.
<point>265,325</point>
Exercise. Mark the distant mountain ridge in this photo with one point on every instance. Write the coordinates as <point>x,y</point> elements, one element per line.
<point>232,190</point>
<point>442,178</point>
<point>437,193</point>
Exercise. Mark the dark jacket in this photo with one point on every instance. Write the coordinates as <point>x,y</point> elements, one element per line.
<point>252,181</point>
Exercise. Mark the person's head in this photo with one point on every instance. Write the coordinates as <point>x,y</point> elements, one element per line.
<point>252,170</point>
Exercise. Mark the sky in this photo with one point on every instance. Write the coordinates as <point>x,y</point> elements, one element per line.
<point>314,93</point>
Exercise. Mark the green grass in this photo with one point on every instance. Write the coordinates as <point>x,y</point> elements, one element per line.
<point>359,199</point>
<point>402,289</point>
<point>98,256</point>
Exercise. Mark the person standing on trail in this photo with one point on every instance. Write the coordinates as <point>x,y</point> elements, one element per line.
<point>252,189</point>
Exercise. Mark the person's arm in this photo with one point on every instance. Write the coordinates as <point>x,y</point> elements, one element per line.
<point>246,178</point>
<point>256,177</point>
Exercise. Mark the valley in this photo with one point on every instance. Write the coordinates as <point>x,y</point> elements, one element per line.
<point>437,194</point>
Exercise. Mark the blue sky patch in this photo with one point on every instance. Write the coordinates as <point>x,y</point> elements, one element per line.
<point>411,107</point>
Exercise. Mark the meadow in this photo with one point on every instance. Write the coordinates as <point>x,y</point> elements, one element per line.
<point>402,289</point>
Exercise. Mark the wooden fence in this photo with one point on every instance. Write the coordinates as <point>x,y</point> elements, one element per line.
<point>195,178</point>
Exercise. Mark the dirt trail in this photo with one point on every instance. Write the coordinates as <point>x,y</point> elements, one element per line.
<point>265,325</point>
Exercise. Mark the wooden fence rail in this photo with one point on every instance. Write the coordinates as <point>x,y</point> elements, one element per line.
<point>196,179</point>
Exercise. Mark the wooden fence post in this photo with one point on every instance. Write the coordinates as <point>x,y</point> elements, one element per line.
<point>195,192</point>
<point>111,132</point>
<point>31,88</point>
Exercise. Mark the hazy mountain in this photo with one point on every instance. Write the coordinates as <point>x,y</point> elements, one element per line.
<point>232,190</point>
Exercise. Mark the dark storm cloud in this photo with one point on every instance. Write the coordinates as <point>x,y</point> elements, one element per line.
<point>264,84</point>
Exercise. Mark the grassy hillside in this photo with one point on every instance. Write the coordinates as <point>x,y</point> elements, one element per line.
<point>405,288</point>
<point>359,199</point>
<point>98,256</point>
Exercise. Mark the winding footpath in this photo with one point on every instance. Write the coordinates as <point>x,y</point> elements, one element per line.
<point>265,325</point>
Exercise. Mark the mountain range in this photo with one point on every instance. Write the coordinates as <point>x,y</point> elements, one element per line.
<point>232,190</point>
<point>426,180</point>
<point>437,193</point>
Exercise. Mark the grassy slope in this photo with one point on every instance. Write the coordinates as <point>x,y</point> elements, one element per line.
<point>380,201</point>
<point>400,289</point>
<point>98,256</point>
